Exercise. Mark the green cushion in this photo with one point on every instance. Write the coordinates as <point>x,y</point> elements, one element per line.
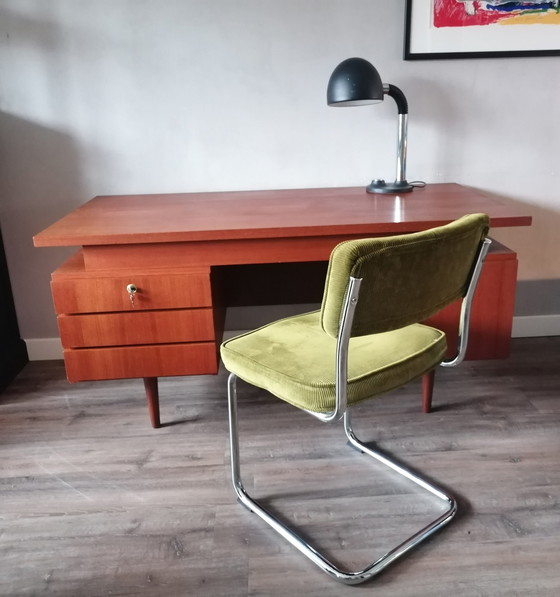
<point>294,359</point>
<point>406,278</point>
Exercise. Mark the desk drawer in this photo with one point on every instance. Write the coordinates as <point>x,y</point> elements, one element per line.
<point>140,327</point>
<point>106,294</point>
<point>141,361</point>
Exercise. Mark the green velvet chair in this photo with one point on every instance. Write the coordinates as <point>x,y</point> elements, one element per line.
<point>365,341</point>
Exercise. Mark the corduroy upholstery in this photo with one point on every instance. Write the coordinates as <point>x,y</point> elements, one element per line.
<point>406,278</point>
<point>294,359</point>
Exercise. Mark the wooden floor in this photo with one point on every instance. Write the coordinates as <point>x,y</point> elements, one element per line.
<point>94,502</point>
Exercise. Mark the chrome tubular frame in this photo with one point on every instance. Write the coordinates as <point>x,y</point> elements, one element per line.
<point>466,305</point>
<point>345,329</point>
<point>346,577</point>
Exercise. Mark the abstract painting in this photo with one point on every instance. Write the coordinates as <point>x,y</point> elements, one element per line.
<point>468,13</point>
<point>478,29</point>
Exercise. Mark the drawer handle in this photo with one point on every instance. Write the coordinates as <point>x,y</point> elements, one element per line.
<point>132,290</point>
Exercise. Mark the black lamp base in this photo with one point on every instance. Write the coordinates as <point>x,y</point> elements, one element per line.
<point>380,186</point>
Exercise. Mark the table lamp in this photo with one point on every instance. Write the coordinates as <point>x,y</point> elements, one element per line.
<point>356,82</point>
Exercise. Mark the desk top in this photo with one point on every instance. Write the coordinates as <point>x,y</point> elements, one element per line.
<point>191,217</point>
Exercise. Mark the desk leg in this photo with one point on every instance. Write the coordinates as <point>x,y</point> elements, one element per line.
<point>427,390</point>
<point>152,395</point>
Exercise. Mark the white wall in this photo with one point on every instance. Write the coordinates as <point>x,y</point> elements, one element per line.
<point>143,96</point>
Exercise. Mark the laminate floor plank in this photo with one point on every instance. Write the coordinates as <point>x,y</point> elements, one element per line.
<point>94,502</point>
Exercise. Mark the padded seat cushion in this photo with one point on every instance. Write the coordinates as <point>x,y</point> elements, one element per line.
<point>294,359</point>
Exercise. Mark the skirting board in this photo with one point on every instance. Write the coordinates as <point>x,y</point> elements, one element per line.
<point>533,326</point>
<point>47,349</point>
<point>43,349</point>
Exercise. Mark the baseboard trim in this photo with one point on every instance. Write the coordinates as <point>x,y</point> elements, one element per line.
<point>532,326</point>
<point>49,349</point>
<point>44,349</point>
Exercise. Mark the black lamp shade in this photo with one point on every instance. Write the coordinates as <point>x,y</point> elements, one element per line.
<point>354,82</point>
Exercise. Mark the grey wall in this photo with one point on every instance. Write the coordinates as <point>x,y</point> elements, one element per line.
<point>130,96</point>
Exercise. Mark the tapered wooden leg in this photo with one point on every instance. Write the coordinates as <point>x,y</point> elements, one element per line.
<point>427,390</point>
<point>152,394</point>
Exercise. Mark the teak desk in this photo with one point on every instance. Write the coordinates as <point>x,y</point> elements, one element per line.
<point>142,297</point>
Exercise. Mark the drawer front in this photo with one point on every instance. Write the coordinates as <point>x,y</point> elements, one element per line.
<point>140,327</point>
<point>105,294</point>
<point>88,364</point>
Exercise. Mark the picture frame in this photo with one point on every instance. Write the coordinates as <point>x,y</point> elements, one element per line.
<point>451,29</point>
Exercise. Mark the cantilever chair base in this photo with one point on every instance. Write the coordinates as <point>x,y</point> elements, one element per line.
<point>290,534</point>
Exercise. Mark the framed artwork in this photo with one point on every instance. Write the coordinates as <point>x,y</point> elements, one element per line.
<point>438,29</point>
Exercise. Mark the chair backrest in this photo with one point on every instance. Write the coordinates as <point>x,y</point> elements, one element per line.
<point>405,278</point>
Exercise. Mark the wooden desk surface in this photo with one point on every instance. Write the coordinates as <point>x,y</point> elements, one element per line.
<point>191,217</point>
